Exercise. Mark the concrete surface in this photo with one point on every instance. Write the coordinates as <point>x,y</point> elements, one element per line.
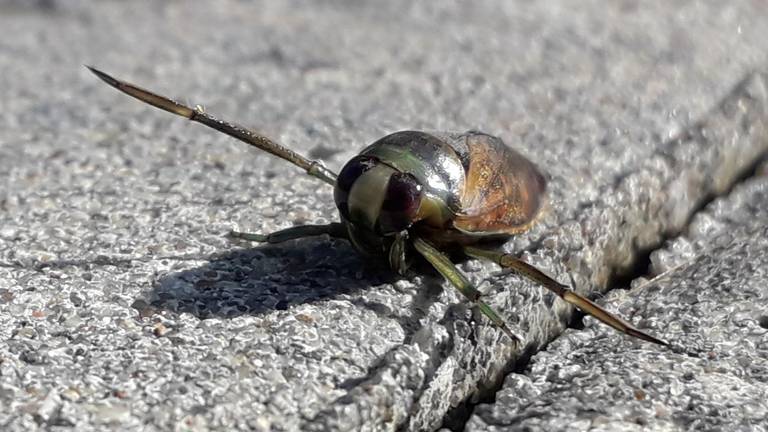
<point>123,305</point>
<point>712,289</point>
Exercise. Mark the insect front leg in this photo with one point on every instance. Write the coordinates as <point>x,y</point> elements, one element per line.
<point>563,291</point>
<point>335,229</point>
<point>449,271</point>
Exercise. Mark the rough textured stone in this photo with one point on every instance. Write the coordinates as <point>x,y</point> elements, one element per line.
<point>122,303</point>
<point>724,221</point>
<point>711,300</point>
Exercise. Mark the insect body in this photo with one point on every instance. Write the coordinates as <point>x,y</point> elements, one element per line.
<point>448,189</point>
<point>415,193</point>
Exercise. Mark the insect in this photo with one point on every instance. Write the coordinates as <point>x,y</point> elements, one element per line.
<point>415,193</point>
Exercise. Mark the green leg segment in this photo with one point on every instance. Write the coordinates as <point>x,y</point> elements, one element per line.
<point>455,277</point>
<point>334,230</point>
<point>563,291</point>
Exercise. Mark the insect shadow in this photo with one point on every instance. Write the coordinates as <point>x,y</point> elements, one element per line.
<point>266,278</point>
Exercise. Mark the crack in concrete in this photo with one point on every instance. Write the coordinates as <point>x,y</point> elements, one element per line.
<point>457,418</point>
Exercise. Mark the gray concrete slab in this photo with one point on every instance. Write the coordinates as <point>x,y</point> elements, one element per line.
<point>124,306</point>
<point>712,289</point>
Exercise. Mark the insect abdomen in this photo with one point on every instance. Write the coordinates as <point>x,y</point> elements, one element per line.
<point>504,193</point>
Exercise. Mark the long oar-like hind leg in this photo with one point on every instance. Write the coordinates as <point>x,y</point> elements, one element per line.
<point>455,277</point>
<point>563,291</point>
<point>333,229</point>
<point>313,168</point>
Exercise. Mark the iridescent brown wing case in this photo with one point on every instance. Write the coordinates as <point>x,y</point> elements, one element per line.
<point>503,193</point>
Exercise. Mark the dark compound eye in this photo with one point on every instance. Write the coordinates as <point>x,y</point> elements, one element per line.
<point>398,211</point>
<point>347,177</point>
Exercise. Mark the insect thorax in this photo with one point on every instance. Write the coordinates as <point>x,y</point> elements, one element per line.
<point>399,180</point>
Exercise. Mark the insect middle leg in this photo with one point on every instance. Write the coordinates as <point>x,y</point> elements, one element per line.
<point>335,229</point>
<point>564,292</point>
<point>449,271</point>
